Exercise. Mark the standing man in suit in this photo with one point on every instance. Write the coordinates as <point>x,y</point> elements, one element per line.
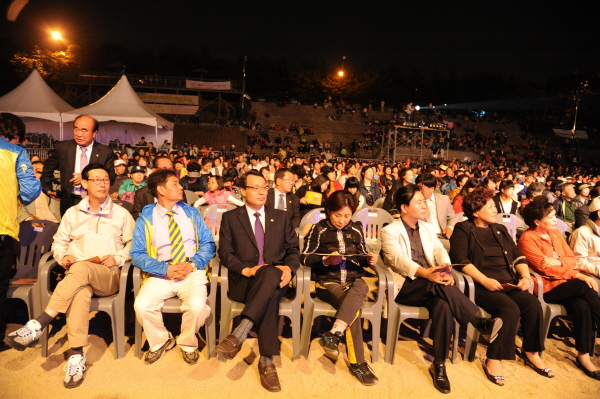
<point>440,212</point>
<point>281,196</point>
<point>259,246</point>
<point>70,157</point>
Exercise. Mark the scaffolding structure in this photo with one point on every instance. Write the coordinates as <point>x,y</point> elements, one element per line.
<point>415,141</point>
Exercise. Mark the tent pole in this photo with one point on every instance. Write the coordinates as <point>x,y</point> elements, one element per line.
<point>156,131</point>
<point>61,128</point>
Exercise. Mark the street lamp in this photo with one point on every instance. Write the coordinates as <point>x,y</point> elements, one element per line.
<point>341,74</point>
<point>56,35</point>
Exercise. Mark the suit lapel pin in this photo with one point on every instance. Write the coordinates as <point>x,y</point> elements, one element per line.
<point>272,220</point>
<point>97,155</point>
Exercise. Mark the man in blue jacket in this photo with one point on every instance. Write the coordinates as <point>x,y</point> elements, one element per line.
<point>18,185</point>
<point>173,246</point>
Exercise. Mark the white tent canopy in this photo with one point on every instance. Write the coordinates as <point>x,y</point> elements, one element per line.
<point>34,98</point>
<point>122,104</point>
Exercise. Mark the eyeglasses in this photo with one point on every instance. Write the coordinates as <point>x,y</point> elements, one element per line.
<point>258,189</point>
<point>99,181</point>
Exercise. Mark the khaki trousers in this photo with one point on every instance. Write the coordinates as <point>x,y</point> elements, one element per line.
<point>151,298</point>
<point>73,296</point>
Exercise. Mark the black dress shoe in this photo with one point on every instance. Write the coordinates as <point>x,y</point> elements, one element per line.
<point>440,378</point>
<point>488,327</point>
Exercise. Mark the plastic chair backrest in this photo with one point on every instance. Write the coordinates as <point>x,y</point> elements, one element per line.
<point>562,226</point>
<point>34,242</point>
<point>379,202</point>
<point>190,197</point>
<point>512,223</point>
<point>314,216</point>
<point>373,221</point>
<point>212,215</point>
<point>460,217</point>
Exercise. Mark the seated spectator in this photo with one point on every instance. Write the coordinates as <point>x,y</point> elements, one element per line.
<point>585,241</point>
<point>535,189</point>
<point>339,280</point>
<point>122,174</point>
<point>191,181</point>
<point>565,205</point>
<point>135,182</point>
<point>504,199</point>
<point>44,207</point>
<point>319,185</point>
<point>582,213</point>
<point>548,254</point>
<point>369,188</point>
<point>217,194</point>
<point>75,244</point>
<point>583,194</point>
<point>353,187</point>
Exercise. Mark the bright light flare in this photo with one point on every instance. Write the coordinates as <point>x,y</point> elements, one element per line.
<point>56,35</point>
<point>341,74</point>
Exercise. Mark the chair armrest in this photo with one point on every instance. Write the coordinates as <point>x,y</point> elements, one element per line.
<point>459,280</point>
<point>124,273</point>
<point>137,280</point>
<point>540,286</point>
<point>382,272</point>
<point>304,274</point>
<point>224,272</point>
<point>389,281</point>
<point>470,284</point>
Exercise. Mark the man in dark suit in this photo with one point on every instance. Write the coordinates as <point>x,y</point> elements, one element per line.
<point>281,196</point>
<point>259,246</point>
<point>70,157</point>
<point>142,196</point>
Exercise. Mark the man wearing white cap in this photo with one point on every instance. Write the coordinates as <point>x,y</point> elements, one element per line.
<point>122,174</point>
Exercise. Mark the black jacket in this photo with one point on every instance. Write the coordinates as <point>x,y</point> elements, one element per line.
<point>323,239</point>
<point>498,202</point>
<point>466,249</point>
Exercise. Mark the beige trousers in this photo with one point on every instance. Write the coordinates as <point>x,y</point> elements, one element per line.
<point>151,298</point>
<point>73,296</point>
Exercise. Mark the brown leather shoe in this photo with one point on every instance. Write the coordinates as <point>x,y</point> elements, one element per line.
<point>229,347</point>
<point>268,378</point>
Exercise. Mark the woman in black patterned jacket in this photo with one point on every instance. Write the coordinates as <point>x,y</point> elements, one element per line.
<point>329,249</point>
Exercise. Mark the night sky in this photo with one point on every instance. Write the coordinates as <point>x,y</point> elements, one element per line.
<point>532,40</point>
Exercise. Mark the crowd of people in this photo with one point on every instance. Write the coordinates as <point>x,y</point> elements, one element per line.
<point>445,219</point>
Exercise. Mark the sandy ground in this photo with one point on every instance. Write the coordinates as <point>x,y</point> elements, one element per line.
<point>28,375</point>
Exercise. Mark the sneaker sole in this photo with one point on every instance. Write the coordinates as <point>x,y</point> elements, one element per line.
<point>71,384</point>
<point>328,352</point>
<point>10,341</point>
<point>170,345</point>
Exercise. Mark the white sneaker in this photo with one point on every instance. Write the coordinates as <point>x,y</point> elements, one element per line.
<point>25,337</point>
<point>75,370</point>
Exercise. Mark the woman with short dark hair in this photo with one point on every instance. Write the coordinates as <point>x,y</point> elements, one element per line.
<point>550,256</point>
<point>488,254</point>
<point>338,278</point>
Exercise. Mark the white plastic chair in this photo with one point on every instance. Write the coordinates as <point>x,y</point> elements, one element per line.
<point>314,216</point>
<point>373,221</point>
<point>212,215</point>
<point>34,243</point>
<point>314,307</point>
<point>173,305</point>
<point>397,314</point>
<point>512,223</point>
<point>290,308</point>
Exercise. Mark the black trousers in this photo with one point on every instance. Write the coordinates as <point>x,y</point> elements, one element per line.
<point>262,307</point>
<point>511,306</point>
<point>348,304</point>
<point>7,258</point>
<point>583,304</point>
<point>444,303</point>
